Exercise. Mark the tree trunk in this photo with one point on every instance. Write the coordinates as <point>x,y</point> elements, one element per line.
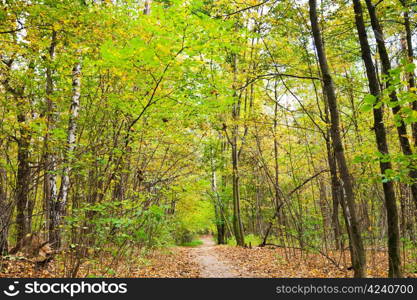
<point>147,9</point>
<point>23,177</point>
<point>50,180</point>
<point>220,224</point>
<point>381,139</point>
<point>23,166</point>
<point>58,208</point>
<point>5,211</point>
<point>410,56</point>
<point>237,221</point>
<point>277,191</point>
<point>358,251</point>
<point>336,195</point>
<point>391,206</point>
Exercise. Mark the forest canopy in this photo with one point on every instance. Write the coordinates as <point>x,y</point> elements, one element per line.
<point>130,125</point>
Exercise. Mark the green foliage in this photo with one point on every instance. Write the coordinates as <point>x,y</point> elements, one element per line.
<point>250,239</point>
<point>120,223</point>
<point>193,243</point>
<point>165,99</point>
<point>369,102</point>
<point>182,235</point>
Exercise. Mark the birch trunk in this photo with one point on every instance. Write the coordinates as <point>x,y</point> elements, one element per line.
<point>58,208</point>
<point>147,9</point>
<point>50,179</point>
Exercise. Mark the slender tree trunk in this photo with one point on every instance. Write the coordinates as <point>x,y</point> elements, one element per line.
<point>147,9</point>
<point>23,177</point>
<point>5,210</point>
<point>391,206</point>
<point>23,165</point>
<point>336,195</point>
<point>277,195</point>
<point>58,208</point>
<point>358,251</point>
<point>381,139</point>
<point>50,181</point>
<point>237,221</point>
<point>220,225</point>
<point>410,56</point>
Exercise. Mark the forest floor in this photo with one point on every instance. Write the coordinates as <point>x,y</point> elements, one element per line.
<point>211,265</point>
<point>210,260</point>
<point>203,261</point>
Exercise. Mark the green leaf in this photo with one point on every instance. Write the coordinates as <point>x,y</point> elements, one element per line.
<point>369,99</point>
<point>410,67</point>
<point>367,107</point>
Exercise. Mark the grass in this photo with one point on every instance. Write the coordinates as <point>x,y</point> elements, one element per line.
<point>193,243</point>
<point>249,239</point>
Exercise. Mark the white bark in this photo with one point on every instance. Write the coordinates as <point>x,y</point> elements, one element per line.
<point>51,192</point>
<point>147,10</point>
<point>58,209</point>
<point>72,130</point>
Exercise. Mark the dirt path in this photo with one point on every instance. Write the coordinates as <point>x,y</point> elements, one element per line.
<point>211,265</point>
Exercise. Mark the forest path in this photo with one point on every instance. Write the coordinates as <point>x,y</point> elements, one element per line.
<point>211,266</point>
